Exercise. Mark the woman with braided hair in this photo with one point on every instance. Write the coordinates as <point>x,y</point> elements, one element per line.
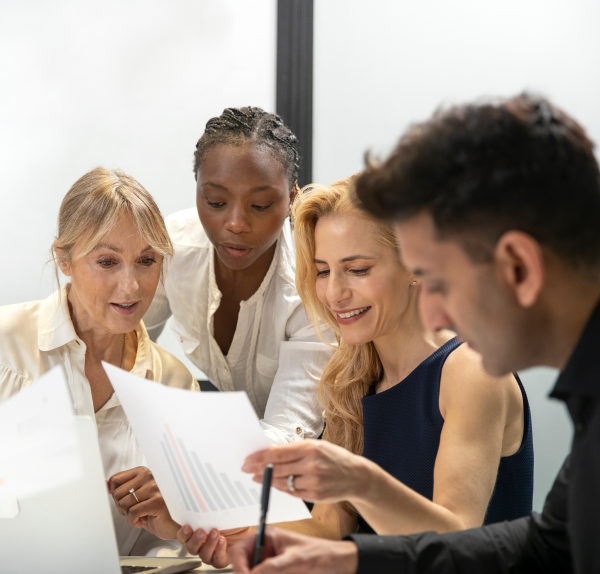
<point>231,284</point>
<point>230,288</point>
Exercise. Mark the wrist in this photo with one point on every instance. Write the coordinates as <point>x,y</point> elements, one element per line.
<point>346,558</point>
<point>363,478</point>
<point>171,530</point>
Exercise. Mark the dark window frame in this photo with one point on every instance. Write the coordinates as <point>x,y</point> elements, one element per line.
<point>294,84</point>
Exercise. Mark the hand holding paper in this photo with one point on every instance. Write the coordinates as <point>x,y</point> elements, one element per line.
<point>195,444</point>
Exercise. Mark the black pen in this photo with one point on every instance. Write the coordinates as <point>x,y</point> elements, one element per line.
<point>264,507</point>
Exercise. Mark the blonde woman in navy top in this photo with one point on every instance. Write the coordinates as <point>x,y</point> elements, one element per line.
<point>445,446</point>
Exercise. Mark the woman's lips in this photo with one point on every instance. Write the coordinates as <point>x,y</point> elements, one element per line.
<point>236,251</point>
<point>353,319</point>
<point>125,310</point>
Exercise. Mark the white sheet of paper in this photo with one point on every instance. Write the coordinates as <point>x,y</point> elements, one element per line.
<point>195,444</point>
<point>38,439</point>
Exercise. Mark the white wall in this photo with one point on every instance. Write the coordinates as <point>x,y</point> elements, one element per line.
<point>382,65</point>
<point>128,84</point>
<point>552,430</point>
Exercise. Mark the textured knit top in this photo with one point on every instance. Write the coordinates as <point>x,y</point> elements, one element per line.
<point>402,428</point>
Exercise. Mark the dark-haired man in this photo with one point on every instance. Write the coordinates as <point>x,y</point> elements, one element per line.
<point>497,209</point>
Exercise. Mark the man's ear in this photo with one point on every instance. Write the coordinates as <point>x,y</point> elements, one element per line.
<point>519,260</point>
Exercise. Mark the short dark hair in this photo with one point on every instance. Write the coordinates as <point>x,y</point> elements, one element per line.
<point>486,168</point>
<point>236,126</point>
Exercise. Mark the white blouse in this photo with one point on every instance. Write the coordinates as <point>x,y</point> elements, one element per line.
<point>36,336</point>
<point>275,355</point>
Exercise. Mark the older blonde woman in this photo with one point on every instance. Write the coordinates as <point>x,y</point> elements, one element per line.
<point>444,446</point>
<point>111,243</point>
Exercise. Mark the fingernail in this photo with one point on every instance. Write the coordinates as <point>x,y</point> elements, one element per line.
<point>221,541</point>
<point>245,467</point>
<point>200,534</point>
<point>187,530</point>
<point>213,534</point>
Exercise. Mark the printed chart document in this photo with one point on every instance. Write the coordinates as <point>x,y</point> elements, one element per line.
<point>195,444</point>
<point>38,440</point>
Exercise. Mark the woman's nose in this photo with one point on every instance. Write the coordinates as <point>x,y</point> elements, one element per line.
<point>128,282</point>
<point>337,290</point>
<point>237,221</point>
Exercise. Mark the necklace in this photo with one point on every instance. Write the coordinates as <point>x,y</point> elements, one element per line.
<point>123,351</point>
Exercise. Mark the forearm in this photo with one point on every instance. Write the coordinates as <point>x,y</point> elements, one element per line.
<point>514,547</point>
<point>530,545</point>
<point>312,527</point>
<point>391,508</point>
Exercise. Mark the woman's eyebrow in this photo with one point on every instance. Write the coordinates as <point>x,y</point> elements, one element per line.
<point>213,184</point>
<point>346,259</point>
<point>106,246</point>
<point>116,249</point>
<point>355,257</point>
<point>264,188</point>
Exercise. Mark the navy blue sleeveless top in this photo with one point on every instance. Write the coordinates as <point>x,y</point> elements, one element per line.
<point>402,428</point>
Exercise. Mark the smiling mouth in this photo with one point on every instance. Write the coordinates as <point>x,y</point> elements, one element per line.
<point>353,313</point>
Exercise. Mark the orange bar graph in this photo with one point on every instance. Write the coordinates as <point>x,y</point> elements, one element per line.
<point>185,470</point>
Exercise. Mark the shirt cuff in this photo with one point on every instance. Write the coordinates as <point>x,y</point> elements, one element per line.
<point>381,554</point>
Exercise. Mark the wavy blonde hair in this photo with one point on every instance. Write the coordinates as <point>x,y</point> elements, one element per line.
<point>353,368</point>
<point>95,204</point>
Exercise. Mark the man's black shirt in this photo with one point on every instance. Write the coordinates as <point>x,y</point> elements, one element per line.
<point>564,538</point>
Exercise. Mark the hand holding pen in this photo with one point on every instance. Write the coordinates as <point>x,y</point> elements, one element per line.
<point>264,507</point>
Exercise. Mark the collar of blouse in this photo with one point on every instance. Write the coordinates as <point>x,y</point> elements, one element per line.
<point>55,329</point>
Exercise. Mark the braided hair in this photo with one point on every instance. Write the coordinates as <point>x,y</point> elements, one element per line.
<point>236,126</point>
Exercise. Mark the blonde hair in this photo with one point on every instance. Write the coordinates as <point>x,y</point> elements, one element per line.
<point>353,368</point>
<point>95,204</point>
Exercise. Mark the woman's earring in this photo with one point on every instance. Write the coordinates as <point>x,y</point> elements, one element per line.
<point>414,282</point>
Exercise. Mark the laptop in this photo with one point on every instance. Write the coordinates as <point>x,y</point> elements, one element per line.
<point>69,530</point>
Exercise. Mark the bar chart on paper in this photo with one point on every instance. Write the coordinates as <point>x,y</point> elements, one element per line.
<point>196,452</point>
<point>202,487</point>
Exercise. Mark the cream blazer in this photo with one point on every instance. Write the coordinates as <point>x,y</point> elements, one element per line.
<point>275,355</point>
<point>36,336</point>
